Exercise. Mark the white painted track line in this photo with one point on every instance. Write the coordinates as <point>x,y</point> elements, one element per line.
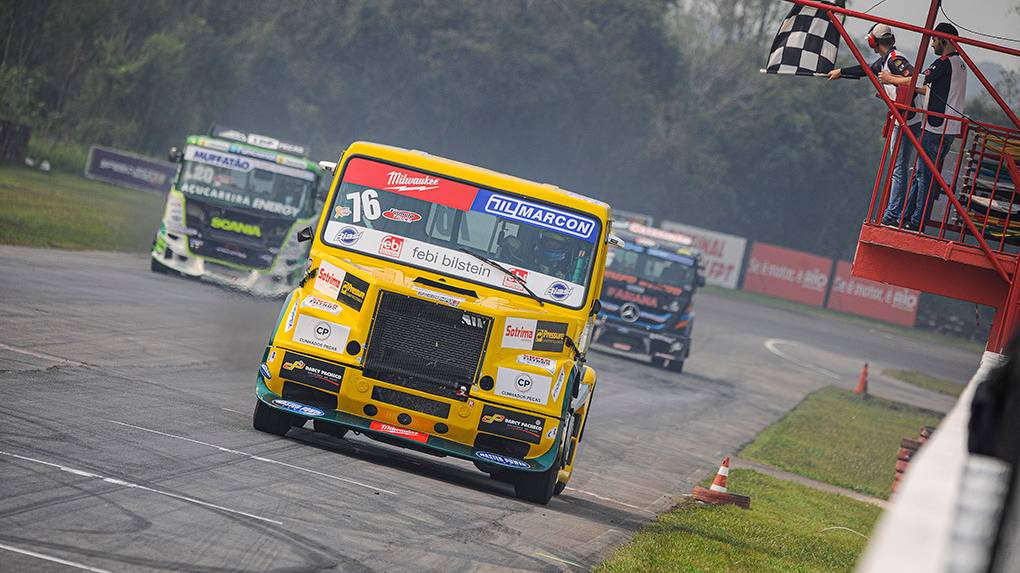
<point>772,345</point>
<point>128,484</point>
<point>254,457</point>
<point>41,355</point>
<point>53,559</point>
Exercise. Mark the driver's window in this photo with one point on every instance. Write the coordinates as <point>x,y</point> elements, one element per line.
<point>441,222</point>
<point>478,231</point>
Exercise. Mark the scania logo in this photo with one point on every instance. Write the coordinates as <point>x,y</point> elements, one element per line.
<point>630,312</point>
<point>236,227</point>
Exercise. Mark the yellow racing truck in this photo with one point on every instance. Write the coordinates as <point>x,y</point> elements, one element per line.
<point>445,308</point>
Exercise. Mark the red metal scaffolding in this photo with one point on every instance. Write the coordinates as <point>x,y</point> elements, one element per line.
<point>967,247</point>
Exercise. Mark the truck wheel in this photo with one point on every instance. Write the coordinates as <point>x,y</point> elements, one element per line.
<point>267,419</point>
<point>676,366</point>
<point>334,430</point>
<point>158,267</point>
<point>537,487</point>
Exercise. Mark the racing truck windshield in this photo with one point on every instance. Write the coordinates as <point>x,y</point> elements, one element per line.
<point>654,265</point>
<point>245,182</point>
<point>428,222</point>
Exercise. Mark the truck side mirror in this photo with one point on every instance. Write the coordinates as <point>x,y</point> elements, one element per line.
<point>327,166</point>
<point>615,241</point>
<point>304,235</point>
<point>175,155</point>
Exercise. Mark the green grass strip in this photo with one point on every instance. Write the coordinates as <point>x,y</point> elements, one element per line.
<point>941,385</point>
<point>67,211</point>
<point>836,437</point>
<point>790,527</point>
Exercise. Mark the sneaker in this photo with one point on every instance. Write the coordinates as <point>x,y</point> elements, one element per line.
<point>911,226</point>
<point>886,222</point>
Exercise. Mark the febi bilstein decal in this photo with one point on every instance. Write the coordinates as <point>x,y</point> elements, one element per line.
<point>516,425</point>
<point>312,371</point>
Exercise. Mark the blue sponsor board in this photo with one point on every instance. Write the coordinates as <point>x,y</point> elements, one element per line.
<point>537,214</point>
<point>298,407</point>
<point>130,170</point>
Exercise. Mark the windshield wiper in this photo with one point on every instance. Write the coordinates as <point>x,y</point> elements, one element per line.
<point>505,270</point>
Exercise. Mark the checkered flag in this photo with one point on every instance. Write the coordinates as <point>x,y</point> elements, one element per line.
<point>806,44</point>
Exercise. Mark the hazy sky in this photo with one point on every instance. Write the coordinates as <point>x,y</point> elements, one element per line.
<point>996,17</point>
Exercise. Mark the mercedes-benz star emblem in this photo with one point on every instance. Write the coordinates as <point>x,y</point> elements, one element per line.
<point>630,312</point>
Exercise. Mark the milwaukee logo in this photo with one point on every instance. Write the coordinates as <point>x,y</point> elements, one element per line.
<point>236,227</point>
<point>400,181</point>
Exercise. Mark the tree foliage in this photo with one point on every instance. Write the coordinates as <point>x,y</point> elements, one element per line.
<point>651,105</point>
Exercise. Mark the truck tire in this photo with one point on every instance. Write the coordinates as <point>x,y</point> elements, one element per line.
<point>676,366</point>
<point>158,267</point>
<point>537,487</point>
<point>270,420</point>
<point>334,430</point>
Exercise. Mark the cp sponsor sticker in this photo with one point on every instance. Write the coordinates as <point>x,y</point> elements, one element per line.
<point>547,364</point>
<point>292,314</point>
<point>401,216</point>
<point>348,236</point>
<point>502,460</point>
<point>329,278</point>
<point>298,407</point>
<point>519,333</point>
<point>320,333</point>
<point>523,386</point>
<point>320,304</point>
<point>402,432</point>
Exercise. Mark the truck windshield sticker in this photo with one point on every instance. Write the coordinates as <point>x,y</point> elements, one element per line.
<point>445,226</point>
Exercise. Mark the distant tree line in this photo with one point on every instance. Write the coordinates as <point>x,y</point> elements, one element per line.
<point>651,105</point>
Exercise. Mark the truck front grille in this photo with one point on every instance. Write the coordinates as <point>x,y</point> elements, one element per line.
<point>425,346</point>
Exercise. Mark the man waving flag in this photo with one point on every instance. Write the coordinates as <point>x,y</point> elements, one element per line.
<point>806,44</point>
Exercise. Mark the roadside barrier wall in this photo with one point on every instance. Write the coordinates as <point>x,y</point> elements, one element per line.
<point>722,254</point>
<point>872,299</point>
<point>787,274</point>
<point>130,170</point>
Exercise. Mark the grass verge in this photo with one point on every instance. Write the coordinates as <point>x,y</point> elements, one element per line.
<point>914,333</point>
<point>835,437</point>
<point>786,529</point>
<point>69,212</point>
<point>934,383</point>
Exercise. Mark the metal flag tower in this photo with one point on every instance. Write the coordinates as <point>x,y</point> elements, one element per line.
<point>968,247</point>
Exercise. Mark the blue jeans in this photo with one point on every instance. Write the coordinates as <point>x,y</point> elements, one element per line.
<point>900,173</point>
<point>937,147</point>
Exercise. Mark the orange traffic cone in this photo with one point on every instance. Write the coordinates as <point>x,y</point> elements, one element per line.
<point>862,384</point>
<point>719,484</point>
<point>717,494</point>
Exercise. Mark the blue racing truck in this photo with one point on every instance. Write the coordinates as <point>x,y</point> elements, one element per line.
<point>648,295</point>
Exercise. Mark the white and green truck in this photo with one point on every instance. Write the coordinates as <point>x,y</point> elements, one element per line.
<point>234,212</point>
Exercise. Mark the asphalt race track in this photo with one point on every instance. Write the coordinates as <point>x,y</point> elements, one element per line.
<point>126,441</point>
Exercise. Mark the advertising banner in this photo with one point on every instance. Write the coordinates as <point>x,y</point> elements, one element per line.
<point>722,254</point>
<point>786,273</point>
<point>872,299</point>
<point>129,170</point>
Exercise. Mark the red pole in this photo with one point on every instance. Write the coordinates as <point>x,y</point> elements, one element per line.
<point>987,84</point>
<point>922,49</point>
<point>905,26</point>
<point>913,139</point>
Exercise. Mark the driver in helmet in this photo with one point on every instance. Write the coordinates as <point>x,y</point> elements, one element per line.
<point>551,254</point>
